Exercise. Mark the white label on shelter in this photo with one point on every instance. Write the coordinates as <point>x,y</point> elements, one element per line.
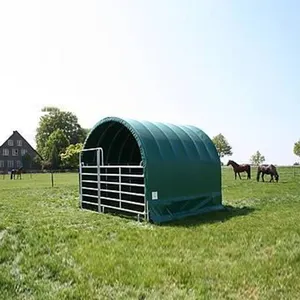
<point>154,195</point>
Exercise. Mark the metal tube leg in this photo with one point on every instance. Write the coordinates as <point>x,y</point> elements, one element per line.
<point>99,179</point>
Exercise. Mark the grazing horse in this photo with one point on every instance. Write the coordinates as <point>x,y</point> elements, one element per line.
<point>15,172</point>
<point>268,170</point>
<point>240,169</point>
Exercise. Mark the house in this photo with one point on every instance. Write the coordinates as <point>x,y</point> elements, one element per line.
<point>16,152</point>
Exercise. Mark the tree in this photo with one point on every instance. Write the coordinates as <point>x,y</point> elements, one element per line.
<point>222,145</point>
<point>37,162</point>
<point>55,119</point>
<point>55,145</point>
<point>70,158</point>
<point>52,162</point>
<point>257,158</point>
<point>85,133</point>
<point>54,158</point>
<point>297,148</point>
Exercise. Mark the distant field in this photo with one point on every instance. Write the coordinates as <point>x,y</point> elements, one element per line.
<point>49,249</point>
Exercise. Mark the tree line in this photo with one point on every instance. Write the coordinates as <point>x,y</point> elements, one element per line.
<point>60,137</point>
<point>224,149</point>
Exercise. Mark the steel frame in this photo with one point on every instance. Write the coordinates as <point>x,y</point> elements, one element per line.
<point>107,176</point>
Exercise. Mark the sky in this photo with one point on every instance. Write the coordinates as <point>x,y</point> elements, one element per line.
<point>229,67</point>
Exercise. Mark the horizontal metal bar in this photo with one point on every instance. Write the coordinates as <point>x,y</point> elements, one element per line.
<point>123,175</point>
<point>90,181</point>
<point>123,183</point>
<point>91,149</point>
<point>113,166</point>
<point>89,188</point>
<point>124,209</point>
<point>117,183</point>
<point>133,175</point>
<point>121,166</point>
<point>89,167</point>
<point>122,192</point>
<point>123,201</point>
<point>92,203</point>
<point>90,174</point>
<point>92,196</point>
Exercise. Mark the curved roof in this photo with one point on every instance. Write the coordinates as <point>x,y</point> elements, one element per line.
<point>180,162</point>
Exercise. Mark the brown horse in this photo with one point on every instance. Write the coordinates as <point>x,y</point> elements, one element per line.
<point>268,170</point>
<point>15,172</point>
<point>240,169</point>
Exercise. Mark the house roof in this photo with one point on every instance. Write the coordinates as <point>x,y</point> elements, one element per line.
<point>18,133</point>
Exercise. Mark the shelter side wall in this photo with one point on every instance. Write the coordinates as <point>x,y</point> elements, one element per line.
<point>182,181</point>
<point>184,191</point>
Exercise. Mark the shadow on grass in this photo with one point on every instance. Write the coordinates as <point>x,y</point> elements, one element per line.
<point>212,217</point>
<point>206,218</point>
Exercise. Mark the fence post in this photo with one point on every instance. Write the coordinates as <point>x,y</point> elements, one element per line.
<point>99,179</point>
<point>52,180</point>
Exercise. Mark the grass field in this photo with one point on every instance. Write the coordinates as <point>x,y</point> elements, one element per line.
<point>49,249</point>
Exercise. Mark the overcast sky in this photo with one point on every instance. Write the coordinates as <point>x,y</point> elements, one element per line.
<point>224,66</point>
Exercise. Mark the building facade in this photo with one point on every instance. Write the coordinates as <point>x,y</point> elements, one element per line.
<point>16,152</point>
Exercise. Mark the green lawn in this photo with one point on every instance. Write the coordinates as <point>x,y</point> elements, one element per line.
<point>49,249</point>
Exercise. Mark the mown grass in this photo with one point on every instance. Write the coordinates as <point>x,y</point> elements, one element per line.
<point>49,249</point>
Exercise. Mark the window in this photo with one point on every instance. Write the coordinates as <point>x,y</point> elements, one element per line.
<point>19,163</point>
<point>10,163</point>
<point>1,163</point>
<point>10,142</point>
<point>5,152</point>
<point>19,143</point>
<point>23,152</point>
<point>15,152</point>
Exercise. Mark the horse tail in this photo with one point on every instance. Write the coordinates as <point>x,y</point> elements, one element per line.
<point>258,173</point>
<point>249,172</point>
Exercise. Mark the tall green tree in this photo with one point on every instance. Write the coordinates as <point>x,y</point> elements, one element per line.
<point>297,148</point>
<point>86,132</point>
<point>222,145</point>
<point>55,145</point>
<point>257,158</point>
<point>70,158</point>
<point>37,162</point>
<point>54,157</point>
<point>54,119</point>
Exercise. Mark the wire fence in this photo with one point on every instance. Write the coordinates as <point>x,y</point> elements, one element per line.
<point>31,173</point>
<point>288,171</point>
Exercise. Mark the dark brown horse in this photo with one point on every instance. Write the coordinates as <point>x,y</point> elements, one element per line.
<point>240,169</point>
<point>15,172</point>
<point>267,170</point>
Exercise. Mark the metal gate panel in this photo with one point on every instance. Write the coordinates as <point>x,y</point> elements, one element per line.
<point>116,188</point>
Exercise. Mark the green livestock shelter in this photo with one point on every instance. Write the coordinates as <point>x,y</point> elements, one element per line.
<point>157,171</point>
